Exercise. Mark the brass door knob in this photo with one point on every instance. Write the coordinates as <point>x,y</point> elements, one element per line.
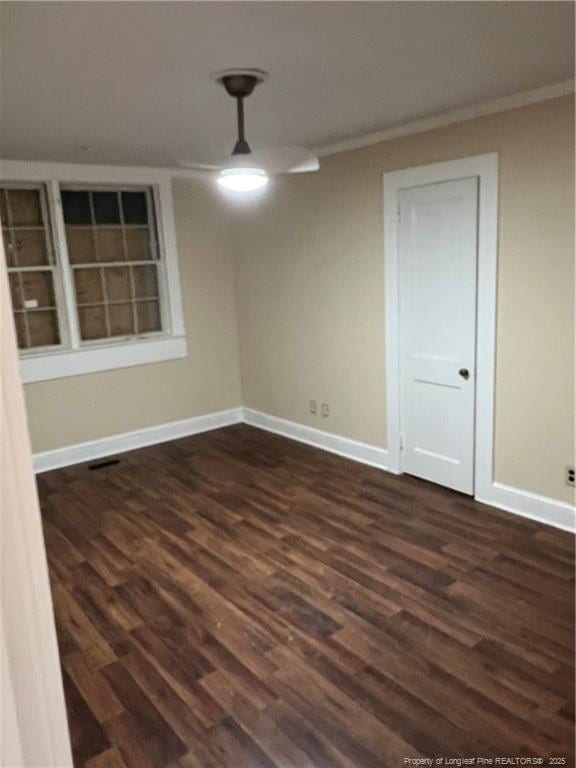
<point>464,372</point>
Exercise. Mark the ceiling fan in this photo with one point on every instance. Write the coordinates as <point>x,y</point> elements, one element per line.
<point>246,170</point>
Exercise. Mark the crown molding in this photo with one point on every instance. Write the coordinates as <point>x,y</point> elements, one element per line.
<point>514,101</point>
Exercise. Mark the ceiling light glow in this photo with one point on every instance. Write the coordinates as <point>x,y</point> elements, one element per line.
<point>243,179</point>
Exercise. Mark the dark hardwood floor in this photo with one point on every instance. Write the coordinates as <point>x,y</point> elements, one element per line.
<point>238,600</point>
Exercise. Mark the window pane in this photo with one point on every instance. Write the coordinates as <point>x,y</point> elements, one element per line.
<point>25,207</point>
<point>121,320</point>
<point>88,286</point>
<point>32,290</point>
<point>81,246</point>
<point>16,290</point>
<point>145,282</point>
<point>139,244</point>
<point>106,207</point>
<point>76,207</point>
<point>29,247</point>
<point>43,328</point>
<point>148,315</point>
<point>134,207</point>
<point>110,245</point>
<point>8,246</point>
<point>20,324</point>
<point>92,322</point>
<point>117,281</point>
<point>4,207</point>
<point>38,289</point>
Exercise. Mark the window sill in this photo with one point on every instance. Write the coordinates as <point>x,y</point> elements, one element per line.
<point>59,365</point>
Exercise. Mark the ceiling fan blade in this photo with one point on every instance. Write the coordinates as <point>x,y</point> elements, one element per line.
<point>278,160</point>
<point>286,160</point>
<point>193,166</point>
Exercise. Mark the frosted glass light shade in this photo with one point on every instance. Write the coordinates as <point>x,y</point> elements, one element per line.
<point>243,179</point>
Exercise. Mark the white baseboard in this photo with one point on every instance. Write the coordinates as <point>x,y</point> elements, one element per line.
<point>108,446</point>
<point>524,503</point>
<point>560,514</point>
<point>343,446</point>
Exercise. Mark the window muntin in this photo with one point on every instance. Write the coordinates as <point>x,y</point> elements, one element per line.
<point>34,282</point>
<point>113,252</point>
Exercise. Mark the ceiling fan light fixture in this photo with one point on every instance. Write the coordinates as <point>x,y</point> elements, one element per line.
<point>245,170</point>
<point>243,179</point>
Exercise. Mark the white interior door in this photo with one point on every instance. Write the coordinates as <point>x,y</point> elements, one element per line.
<point>438,264</point>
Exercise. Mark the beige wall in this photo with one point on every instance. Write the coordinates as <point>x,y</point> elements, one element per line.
<point>310,297</point>
<point>310,289</point>
<point>71,410</point>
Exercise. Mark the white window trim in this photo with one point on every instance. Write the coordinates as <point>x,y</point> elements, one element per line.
<point>74,359</point>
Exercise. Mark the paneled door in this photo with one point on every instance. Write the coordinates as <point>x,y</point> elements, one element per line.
<point>437,285</point>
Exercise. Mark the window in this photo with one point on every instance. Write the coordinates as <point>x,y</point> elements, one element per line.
<point>92,269</point>
<point>31,266</point>
<point>113,253</point>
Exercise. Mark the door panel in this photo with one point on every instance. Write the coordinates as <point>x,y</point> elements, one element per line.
<point>438,263</point>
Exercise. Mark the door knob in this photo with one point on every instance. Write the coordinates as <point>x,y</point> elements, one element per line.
<point>464,372</point>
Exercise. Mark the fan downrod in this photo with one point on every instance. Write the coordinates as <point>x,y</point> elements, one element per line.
<point>240,83</point>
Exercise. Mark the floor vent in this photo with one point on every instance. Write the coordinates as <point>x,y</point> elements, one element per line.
<point>102,464</point>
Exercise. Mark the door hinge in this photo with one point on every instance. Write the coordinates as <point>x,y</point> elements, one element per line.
<point>398,215</point>
<point>401,441</point>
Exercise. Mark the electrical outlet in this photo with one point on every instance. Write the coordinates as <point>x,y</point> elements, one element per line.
<point>313,406</point>
<point>325,410</point>
<point>570,476</point>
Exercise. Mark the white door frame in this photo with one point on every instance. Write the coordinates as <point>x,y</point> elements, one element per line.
<point>485,168</point>
<point>33,724</point>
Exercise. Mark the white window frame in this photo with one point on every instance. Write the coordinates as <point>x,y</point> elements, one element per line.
<point>74,357</point>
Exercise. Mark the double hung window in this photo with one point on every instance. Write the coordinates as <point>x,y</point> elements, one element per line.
<point>91,271</point>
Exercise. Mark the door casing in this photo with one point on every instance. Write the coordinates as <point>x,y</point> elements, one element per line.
<point>485,168</point>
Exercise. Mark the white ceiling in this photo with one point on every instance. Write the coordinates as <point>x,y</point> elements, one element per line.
<point>132,80</point>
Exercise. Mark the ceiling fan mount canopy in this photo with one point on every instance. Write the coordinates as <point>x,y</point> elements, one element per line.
<point>240,83</point>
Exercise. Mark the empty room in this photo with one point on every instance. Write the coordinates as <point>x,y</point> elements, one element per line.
<point>287,415</point>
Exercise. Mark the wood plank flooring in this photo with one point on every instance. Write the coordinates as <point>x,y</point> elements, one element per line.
<point>238,600</point>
